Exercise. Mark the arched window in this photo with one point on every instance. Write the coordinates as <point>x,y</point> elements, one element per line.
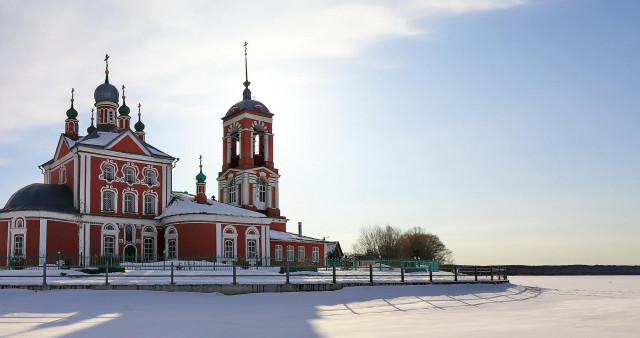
<point>18,245</point>
<point>172,249</point>
<point>109,227</point>
<point>300,254</point>
<point>150,177</point>
<point>278,252</point>
<point>129,175</point>
<point>149,204</point>
<point>290,256</point>
<point>109,245</point>
<point>148,248</point>
<point>108,201</point>
<point>19,223</point>
<point>262,190</point>
<point>62,175</point>
<point>107,172</point>
<point>315,254</point>
<point>232,191</point>
<point>252,250</point>
<point>228,248</point>
<point>129,203</point>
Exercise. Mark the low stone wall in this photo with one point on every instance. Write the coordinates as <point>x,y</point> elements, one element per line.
<point>228,289</point>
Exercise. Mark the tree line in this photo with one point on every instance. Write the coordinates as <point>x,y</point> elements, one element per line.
<point>391,243</point>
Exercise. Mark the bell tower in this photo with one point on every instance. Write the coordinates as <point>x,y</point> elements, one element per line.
<point>248,178</point>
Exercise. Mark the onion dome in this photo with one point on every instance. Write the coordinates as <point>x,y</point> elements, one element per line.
<point>106,91</point>
<point>139,125</point>
<point>91,127</point>
<point>72,113</point>
<point>201,177</point>
<point>124,109</point>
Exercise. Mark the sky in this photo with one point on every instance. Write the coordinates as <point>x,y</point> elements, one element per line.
<point>509,128</point>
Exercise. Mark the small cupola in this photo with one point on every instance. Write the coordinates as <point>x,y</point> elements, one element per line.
<point>124,118</point>
<point>201,185</point>
<point>139,126</point>
<point>71,123</point>
<point>106,96</point>
<point>91,128</point>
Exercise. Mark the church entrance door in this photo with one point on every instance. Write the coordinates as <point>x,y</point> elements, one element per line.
<point>130,253</point>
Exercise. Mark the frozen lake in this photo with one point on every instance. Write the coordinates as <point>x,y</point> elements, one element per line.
<point>565,306</point>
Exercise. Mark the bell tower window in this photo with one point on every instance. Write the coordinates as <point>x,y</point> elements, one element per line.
<point>233,191</point>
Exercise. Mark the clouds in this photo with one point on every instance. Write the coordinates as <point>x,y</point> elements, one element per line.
<point>49,47</point>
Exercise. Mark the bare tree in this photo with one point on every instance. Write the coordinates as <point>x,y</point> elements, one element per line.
<point>416,242</point>
<point>377,241</point>
<point>389,242</point>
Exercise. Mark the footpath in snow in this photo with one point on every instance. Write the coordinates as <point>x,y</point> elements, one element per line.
<point>585,306</point>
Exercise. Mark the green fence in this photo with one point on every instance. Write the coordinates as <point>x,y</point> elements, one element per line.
<point>210,262</point>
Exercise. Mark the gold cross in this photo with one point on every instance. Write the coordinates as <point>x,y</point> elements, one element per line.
<point>106,59</point>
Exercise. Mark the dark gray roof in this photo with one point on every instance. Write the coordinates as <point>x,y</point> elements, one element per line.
<point>248,105</point>
<point>106,92</point>
<point>42,197</point>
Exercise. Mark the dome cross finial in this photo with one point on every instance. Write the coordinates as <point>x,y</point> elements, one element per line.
<point>72,90</point>
<point>106,61</point>
<point>246,94</point>
<point>200,162</point>
<point>123,97</point>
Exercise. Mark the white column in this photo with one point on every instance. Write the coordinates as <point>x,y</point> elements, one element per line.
<point>42,251</point>
<point>267,240</point>
<point>277,196</point>
<point>76,184</point>
<point>253,144</point>
<point>266,147</point>
<point>245,188</point>
<point>218,241</point>
<point>87,243</point>
<point>164,188</point>
<point>269,193</point>
<point>87,174</point>
<point>228,159</point>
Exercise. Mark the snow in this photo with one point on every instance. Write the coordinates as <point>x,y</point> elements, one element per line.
<point>290,237</point>
<point>102,140</point>
<point>558,306</point>
<point>185,204</point>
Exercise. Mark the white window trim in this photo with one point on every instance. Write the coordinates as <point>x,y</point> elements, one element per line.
<point>147,169</point>
<point>153,235</point>
<point>115,233</point>
<point>232,188</point>
<point>108,162</point>
<point>291,258</point>
<point>168,236</point>
<point>130,191</point>
<point>301,257</point>
<point>315,254</point>
<point>62,175</point>
<point>278,253</point>
<point>113,190</point>
<point>136,172</point>
<point>231,236</point>
<point>252,233</point>
<point>155,205</point>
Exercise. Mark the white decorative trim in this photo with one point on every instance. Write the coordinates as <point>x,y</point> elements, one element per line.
<point>153,234</point>
<point>115,233</point>
<point>108,162</point>
<point>109,188</point>
<point>168,235</point>
<point>42,249</point>
<point>134,192</point>
<point>156,175</point>
<point>62,175</point>
<point>155,204</point>
<point>233,235</point>
<point>136,173</point>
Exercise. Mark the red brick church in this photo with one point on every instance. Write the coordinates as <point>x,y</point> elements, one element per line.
<point>109,193</point>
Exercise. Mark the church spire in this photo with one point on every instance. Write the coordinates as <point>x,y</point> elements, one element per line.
<point>201,196</point>
<point>246,94</point>
<point>72,113</point>
<point>139,126</point>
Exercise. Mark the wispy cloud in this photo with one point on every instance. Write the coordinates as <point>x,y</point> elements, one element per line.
<point>183,47</point>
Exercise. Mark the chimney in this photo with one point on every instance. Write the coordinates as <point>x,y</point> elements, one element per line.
<point>299,229</point>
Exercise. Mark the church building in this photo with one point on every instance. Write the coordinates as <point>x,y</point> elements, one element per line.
<point>109,193</point>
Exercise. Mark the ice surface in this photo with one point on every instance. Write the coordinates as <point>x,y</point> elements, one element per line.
<point>601,307</point>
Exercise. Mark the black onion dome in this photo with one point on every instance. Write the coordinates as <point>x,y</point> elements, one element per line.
<point>39,196</point>
<point>106,92</point>
<point>251,105</point>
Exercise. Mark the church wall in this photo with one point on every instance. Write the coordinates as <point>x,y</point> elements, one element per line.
<point>196,239</point>
<point>33,238</point>
<point>63,237</point>
<point>4,235</point>
<point>96,240</point>
<point>98,183</point>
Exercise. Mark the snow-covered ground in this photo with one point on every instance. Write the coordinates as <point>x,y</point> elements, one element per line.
<point>583,306</point>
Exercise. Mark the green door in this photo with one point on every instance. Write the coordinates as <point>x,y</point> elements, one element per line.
<point>130,253</point>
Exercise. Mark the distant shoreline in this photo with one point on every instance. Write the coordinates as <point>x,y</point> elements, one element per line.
<point>572,270</point>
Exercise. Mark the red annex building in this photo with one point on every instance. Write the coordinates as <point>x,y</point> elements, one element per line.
<point>109,193</point>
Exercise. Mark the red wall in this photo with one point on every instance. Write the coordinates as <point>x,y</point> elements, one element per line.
<point>4,232</point>
<point>61,236</point>
<point>308,250</point>
<point>196,239</point>
<point>32,247</point>
<point>95,237</point>
<point>97,184</point>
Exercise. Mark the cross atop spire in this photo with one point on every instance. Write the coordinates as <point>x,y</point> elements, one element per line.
<point>139,105</point>
<point>106,61</point>
<point>246,94</point>
<point>123,97</point>
<point>200,162</point>
<point>72,90</point>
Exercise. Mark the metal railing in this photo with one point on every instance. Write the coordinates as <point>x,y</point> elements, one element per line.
<point>241,271</point>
